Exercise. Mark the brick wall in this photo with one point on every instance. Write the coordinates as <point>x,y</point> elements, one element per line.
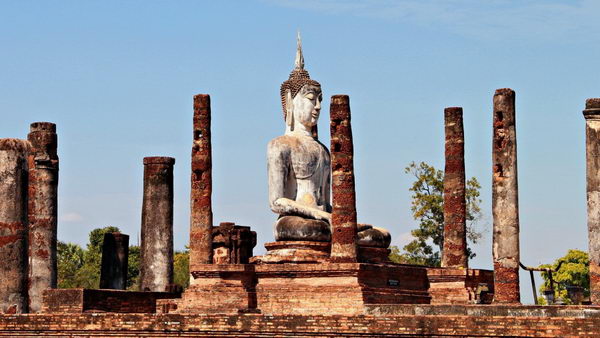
<point>88,300</point>
<point>523,321</point>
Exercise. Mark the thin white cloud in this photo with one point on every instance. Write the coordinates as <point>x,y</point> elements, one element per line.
<point>490,19</point>
<point>71,217</point>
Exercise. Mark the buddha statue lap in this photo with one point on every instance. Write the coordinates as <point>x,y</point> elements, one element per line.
<point>299,168</point>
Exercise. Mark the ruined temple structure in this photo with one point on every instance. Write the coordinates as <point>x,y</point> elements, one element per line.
<point>324,274</point>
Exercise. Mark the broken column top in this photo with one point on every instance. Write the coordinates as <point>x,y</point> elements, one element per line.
<point>593,103</point>
<point>592,108</point>
<point>43,126</point>
<point>505,91</point>
<point>159,160</point>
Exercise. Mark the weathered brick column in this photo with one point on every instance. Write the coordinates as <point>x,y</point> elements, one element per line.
<point>156,271</point>
<point>13,225</point>
<point>43,210</point>
<point>454,253</point>
<point>201,205</point>
<point>505,199</point>
<point>343,217</point>
<point>115,255</point>
<point>592,147</point>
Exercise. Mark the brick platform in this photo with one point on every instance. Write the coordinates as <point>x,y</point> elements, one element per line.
<point>330,288</point>
<point>102,300</point>
<point>460,286</point>
<point>414,320</point>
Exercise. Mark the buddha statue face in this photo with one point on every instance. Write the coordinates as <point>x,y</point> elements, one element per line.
<point>306,106</point>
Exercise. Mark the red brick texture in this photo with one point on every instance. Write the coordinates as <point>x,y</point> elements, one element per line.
<point>460,286</point>
<point>13,225</point>
<point>340,288</point>
<point>99,300</point>
<point>42,210</point>
<point>463,321</point>
<point>454,253</point>
<point>201,218</point>
<point>505,199</point>
<point>343,217</point>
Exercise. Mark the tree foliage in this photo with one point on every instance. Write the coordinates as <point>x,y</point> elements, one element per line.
<point>428,209</point>
<point>70,261</point>
<point>574,271</point>
<point>80,268</point>
<point>181,269</point>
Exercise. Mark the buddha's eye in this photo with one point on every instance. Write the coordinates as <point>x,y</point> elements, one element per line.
<point>310,96</point>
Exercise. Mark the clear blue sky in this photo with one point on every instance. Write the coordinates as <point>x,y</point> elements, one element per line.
<point>118,77</point>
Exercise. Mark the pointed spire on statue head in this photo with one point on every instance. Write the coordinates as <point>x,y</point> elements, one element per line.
<point>299,56</point>
<point>299,77</point>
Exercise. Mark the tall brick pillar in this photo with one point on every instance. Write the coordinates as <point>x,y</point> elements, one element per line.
<point>505,199</point>
<point>115,255</point>
<point>343,217</point>
<point>201,221</point>
<point>454,253</point>
<point>13,225</point>
<point>592,147</point>
<point>156,271</point>
<point>43,210</point>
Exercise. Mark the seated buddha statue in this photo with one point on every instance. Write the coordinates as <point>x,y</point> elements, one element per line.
<point>299,168</point>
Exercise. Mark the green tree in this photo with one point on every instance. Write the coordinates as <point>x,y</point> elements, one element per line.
<point>133,268</point>
<point>574,271</point>
<point>70,260</point>
<point>89,274</point>
<point>428,209</point>
<point>181,270</point>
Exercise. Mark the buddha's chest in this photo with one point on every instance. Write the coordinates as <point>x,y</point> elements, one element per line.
<point>308,159</point>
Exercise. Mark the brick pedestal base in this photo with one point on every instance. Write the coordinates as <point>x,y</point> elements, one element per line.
<point>331,288</point>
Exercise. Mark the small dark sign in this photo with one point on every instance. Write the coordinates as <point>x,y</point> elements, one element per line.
<point>393,282</point>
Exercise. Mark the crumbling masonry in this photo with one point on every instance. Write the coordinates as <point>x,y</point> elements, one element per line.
<point>454,253</point>
<point>156,270</point>
<point>42,210</point>
<point>505,201</point>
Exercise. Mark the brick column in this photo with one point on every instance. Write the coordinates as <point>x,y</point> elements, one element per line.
<point>43,210</point>
<point>343,217</point>
<point>156,271</point>
<point>592,147</point>
<point>201,206</point>
<point>115,255</point>
<point>13,225</point>
<point>454,253</point>
<point>505,199</point>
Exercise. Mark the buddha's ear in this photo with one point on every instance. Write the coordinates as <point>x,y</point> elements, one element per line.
<point>289,109</point>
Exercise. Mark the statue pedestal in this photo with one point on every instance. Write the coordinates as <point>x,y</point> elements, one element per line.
<point>327,288</point>
<point>294,252</point>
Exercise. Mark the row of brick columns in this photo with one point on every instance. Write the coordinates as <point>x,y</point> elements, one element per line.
<point>505,208</point>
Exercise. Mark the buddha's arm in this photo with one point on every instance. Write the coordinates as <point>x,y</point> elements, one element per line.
<point>278,172</point>
<point>286,206</point>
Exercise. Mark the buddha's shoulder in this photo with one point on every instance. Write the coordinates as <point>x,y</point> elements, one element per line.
<point>283,143</point>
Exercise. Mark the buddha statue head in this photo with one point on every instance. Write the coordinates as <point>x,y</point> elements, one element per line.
<point>301,97</point>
